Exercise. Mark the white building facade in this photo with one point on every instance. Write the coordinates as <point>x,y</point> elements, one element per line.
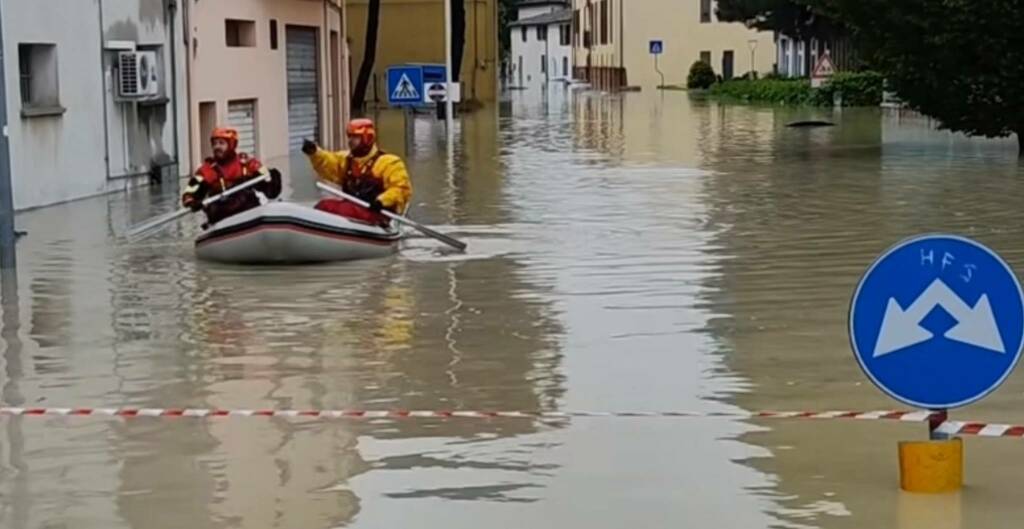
<point>95,96</point>
<point>541,44</point>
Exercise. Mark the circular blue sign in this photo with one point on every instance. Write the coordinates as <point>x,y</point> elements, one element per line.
<point>938,321</point>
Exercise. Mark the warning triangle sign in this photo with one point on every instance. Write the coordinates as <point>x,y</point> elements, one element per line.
<point>405,90</point>
<point>824,67</point>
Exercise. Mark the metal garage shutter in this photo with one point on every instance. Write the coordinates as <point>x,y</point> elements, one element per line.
<point>303,87</point>
<point>242,116</point>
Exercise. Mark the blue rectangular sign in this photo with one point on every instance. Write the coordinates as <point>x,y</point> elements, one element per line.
<point>657,47</point>
<point>405,85</point>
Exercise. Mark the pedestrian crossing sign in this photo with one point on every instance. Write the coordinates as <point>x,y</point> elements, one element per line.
<point>657,47</point>
<point>405,85</point>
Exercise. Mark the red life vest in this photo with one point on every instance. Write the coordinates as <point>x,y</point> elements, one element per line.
<point>223,175</point>
<point>361,182</point>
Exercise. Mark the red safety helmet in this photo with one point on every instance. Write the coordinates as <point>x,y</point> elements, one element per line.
<point>364,129</point>
<point>227,134</point>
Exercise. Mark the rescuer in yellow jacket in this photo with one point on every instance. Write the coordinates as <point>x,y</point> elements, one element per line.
<point>364,171</point>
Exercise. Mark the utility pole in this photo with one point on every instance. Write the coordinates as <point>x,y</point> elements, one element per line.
<point>449,106</point>
<point>7,236</point>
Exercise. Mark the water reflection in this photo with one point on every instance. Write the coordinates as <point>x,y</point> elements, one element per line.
<point>629,251</point>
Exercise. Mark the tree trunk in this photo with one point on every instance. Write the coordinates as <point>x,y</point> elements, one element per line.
<point>458,37</point>
<point>1020,143</point>
<point>369,57</point>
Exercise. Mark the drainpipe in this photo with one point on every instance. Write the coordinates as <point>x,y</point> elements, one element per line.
<point>103,83</point>
<point>327,80</point>
<point>172,10</point>
<point>186,33</point>
<point>622,44</point>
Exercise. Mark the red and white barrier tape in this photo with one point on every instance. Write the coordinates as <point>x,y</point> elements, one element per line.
<point>951,428</point>
<point>909,416</point>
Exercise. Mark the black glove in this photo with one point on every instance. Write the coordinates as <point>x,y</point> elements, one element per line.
<point>273,188</point>
<point>309,147</point>
<point>376,206</point>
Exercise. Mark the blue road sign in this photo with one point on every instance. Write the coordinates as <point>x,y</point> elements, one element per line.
<point>938,321</point>
<point>405,85</point>
<point>657,47</point>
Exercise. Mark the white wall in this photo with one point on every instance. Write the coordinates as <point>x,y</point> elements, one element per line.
<point>141,135</point>
<point>57,158</point>
<point>532,51</point>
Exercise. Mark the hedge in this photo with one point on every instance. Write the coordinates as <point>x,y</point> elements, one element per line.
<point>857,89</point>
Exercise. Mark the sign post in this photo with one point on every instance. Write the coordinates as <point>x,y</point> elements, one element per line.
<point>449,106</point>
<point>7,236</point>
<point>937,322</point>
<point>657,47</point>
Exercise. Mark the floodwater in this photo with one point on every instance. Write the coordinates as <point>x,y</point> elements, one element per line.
<point>636,252</point>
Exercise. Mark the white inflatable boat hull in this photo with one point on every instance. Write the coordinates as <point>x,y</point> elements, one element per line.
<point>286,233</point>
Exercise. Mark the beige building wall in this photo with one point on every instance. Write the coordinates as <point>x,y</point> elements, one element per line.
<point>412,31</point>
<point>632,25</point>
<point>220,74</point>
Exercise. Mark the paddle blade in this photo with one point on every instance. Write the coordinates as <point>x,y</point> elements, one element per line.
<point>450,241</point>
<point>149,227</point>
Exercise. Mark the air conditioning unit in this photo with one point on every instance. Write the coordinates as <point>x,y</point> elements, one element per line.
<point>138,74</point>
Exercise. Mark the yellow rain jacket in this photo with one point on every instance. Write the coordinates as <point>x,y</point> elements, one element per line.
<point>377,175</point>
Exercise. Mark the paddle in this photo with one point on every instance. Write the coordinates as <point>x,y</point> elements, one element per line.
<point>147,228</point>
<point>454,243</point>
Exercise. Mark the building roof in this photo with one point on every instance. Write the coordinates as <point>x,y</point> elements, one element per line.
<point>555,17</point>
<point>529,3</point>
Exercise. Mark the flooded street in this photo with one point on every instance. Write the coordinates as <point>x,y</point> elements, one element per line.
<point>637,252</point>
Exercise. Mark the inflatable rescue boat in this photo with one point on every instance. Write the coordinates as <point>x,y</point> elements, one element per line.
<point>288,233</point>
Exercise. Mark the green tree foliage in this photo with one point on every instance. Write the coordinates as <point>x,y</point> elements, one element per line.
<point>959,61</point>
<point>507,14</point>
<point>701,77</point>
<point>858,89</point>
<point>794,18</point>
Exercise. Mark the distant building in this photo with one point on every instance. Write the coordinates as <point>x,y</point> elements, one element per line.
<point>95,96</point>
<point>277,70</point>
<point>797,57</point>
<point>611,42</point>
<point>412,31</point>
<point>541,44</point>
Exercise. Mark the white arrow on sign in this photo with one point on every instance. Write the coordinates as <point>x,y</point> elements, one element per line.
<point>975,326</point>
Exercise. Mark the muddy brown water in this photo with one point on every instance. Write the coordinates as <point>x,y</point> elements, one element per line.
<point>637,252</point>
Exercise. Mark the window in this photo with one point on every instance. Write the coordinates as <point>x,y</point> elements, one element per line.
<point>523,31</point>
<point>37,66</point>
<point>705,11</point>
<point>542,33</point>
<point>273,34</point>
<point>240,33</point>
<point>565,67</point>
<point>207,122</point>
<point>705,57</point>
<point>543,64</point>
<point>563,35</point>
<point>727,65</point>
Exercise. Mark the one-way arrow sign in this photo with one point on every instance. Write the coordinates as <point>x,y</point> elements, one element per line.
<point>899,348</point>
<point>901,328</point>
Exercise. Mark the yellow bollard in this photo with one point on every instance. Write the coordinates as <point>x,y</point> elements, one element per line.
<point>932,467</point>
